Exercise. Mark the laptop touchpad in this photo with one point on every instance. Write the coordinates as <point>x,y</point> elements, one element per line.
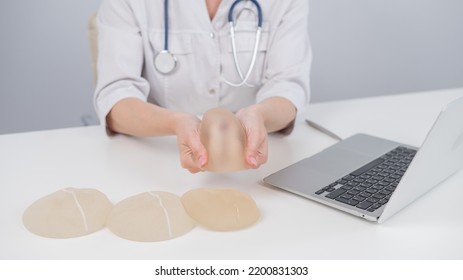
<point>313,173</point>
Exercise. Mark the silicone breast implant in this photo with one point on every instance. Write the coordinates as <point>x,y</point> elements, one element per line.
<point>68,213</point>
<point>224,138</point>
<point>149,217</point>
<point>221,209</point>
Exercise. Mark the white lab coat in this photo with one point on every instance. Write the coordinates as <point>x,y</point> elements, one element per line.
<point>131,33</point>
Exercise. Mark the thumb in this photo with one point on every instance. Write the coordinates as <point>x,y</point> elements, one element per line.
<point>252,149</point>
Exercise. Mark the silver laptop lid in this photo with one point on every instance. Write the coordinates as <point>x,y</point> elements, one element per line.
<point>440,156</point>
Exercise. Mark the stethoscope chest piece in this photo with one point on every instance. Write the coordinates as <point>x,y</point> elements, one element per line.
<point>165,62</point>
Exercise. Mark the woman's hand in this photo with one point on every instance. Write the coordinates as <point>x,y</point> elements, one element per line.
<point>193,155</point>
<point>271,115</point>
<point>256,150</point>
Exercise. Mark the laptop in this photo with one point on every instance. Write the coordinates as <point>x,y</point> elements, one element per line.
<point>374,178</point>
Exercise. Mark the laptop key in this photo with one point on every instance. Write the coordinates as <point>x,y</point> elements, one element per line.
<point>389,180</point>
<point>365,195</point>
<point>364,205</point>
<point>385,192</point>
<point>353,192</point>
<point>383,201</point>
<point>371,190</point>
<point>359,198</point>
<point>349,177</point>
<point>379,196</point>
<point>365,185</point>
<point>377,205</point>
<point>336,193</point>
<point>347,196</point>
<point>372,181</point>
<point>347,201</point>
<point>320,191</point>
<point>372,200</point>
<point>352,184</point>
<point>328,188</point>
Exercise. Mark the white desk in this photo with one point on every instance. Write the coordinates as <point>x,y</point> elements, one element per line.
<point>38,163</point>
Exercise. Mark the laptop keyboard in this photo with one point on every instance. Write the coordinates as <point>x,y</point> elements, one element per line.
<point>371,186</point>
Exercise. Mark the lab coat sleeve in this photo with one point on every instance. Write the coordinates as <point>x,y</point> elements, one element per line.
<point>120,57</point>
<point>289,57</point>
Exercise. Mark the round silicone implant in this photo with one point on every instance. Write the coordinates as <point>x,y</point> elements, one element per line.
<point>68,213</point>
<point>221,209</point>
<point>150,217</point>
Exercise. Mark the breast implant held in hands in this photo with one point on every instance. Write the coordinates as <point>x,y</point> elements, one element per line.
<point>224,138</point>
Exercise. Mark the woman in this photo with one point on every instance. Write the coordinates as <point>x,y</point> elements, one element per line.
<point>133,97</point>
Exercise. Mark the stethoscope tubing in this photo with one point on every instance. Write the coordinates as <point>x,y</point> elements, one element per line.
<point>166,62</point>
<point>166,25</point>
<point>259,11</point>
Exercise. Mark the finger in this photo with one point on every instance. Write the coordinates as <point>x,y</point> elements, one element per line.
<point>199,152</point>
<point>260,157</point>
<point>189,163</point>
<point>193,156</point>
<point>256,149</point>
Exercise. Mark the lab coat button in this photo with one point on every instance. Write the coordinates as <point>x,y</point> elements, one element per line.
<point>212,35</point>
<point>211,91</point>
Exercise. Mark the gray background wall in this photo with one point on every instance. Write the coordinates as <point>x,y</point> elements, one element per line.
<point>361,48</point>
<point>377,47</point>
<point>45,66</point>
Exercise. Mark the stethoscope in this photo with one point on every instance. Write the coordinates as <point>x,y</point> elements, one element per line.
<point>165,62</point>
